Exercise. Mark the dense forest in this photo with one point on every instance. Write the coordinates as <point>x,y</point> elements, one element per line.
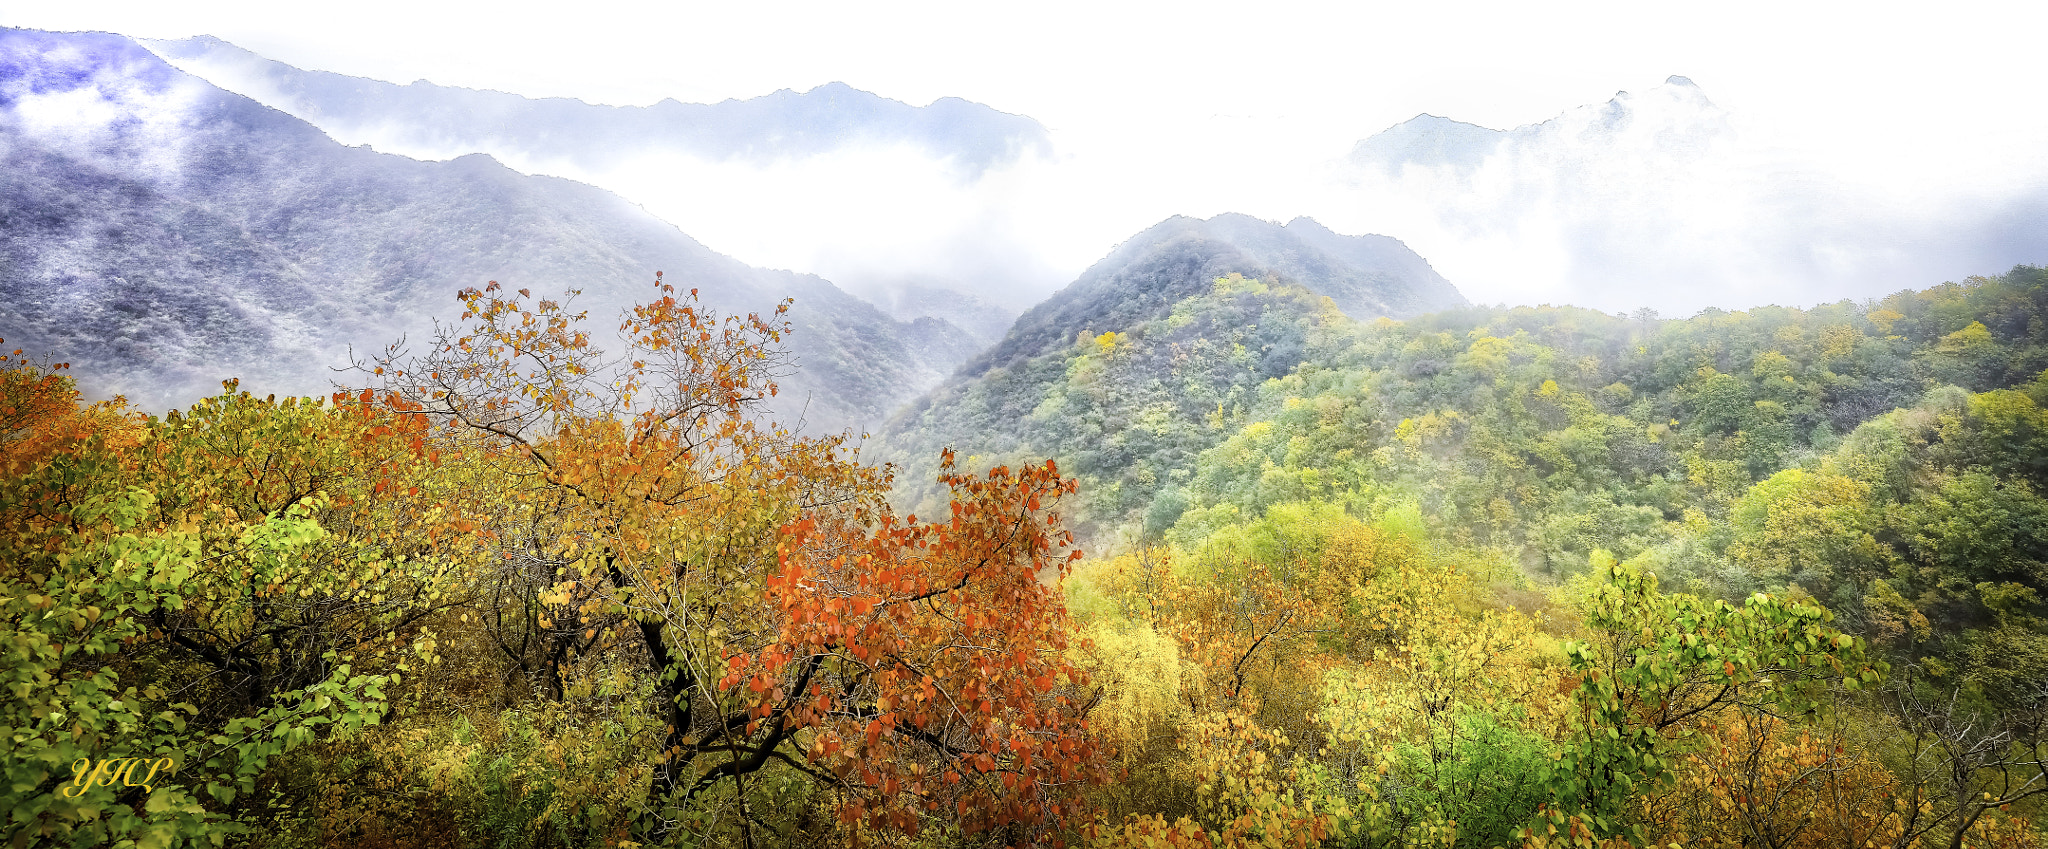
<point>1239,571</point>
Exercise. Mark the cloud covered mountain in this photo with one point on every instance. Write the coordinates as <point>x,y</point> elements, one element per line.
<point>434,121</point>
<point>1675,121</point>
<point>888,199</point>
<point>162,234</point>
<point>1658,197</point>
<point>1662,198</point>
<point>1366,276</point>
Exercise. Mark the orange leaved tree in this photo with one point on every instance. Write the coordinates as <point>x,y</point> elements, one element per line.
<point>41,414</point>
<point>928,660</point>
<point>793,626</point>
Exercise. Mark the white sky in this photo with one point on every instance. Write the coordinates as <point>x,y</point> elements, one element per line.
<point>1823,68</point>
<point>1902,100</point>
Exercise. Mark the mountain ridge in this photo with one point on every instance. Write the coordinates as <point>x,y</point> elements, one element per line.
<point>434,117</point>
<point>1434,140</point>
<point>1137,366</point>
<point>163,233</point>
<point>1367,276</point>
<point>738,171</point>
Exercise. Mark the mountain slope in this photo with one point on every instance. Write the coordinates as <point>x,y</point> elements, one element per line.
<point>1132,371</point>
<point>1428,140</point>
<point>885,198</point>
<point>163,234</point>
<point>1366,276</point>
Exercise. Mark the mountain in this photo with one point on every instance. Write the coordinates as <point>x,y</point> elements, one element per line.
<point>1129,373</point>
<point>1366,276</point>
<point>162,234</point>
<point>1662,198</point>
<point>1674,119</point>
<point>422,118</point>
<point>1429,140</point>
<point>912,301</point>
<point>885,198</point>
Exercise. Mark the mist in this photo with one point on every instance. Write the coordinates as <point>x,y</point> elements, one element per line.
<point>1659,198</point>
<point>1662,199</point>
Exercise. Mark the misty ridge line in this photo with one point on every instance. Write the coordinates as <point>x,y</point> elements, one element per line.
<point>426,116</point>
<point>748,175</point>
<point>161,233</point>
<point>929,324</point>
<point>1655,198</point>
<point>171,232</point>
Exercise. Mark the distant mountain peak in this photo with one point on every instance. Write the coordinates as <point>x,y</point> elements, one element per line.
<point>427,120</point>
<point>1677,112</point>
<point>1428,140</point>
<point>1366,276</point>
<point>479,162</point>
<point>1308,224</point>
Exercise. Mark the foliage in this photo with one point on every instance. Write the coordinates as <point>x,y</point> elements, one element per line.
<point>790,621</point>
<point>1664,666</point>
<point>1128,417</point>
<point>70,703</point>
<point>1487,577</point>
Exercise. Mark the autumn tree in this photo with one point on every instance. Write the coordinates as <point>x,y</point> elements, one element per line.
<point>912,670</point>
<point>1662,668</point>
<point>392,537</point>
<point>40,412</point>
<point>136,636</point>
<point>1963,761</point>
<point>926,662</point>
<point>1755,780</point>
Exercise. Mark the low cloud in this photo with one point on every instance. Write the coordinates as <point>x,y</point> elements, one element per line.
<point>1660,199</point>
<point>91,95</point>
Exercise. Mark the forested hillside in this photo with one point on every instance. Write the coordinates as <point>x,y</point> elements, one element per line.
<point>1125,408</point>
<point>1445,517</point>
<point>1484,577</point>
<point>383,466</point>
<point>1205,346</point>
<point>1545,432</point>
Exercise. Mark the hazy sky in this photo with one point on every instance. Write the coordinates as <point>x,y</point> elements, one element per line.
<point>1833,70</point>
<point>1199,108</point>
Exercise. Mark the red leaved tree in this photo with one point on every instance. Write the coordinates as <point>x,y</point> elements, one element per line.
<point>929,660</point>
<point>792,624</point>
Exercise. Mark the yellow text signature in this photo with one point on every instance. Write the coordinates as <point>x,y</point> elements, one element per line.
<point>86,774</point>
